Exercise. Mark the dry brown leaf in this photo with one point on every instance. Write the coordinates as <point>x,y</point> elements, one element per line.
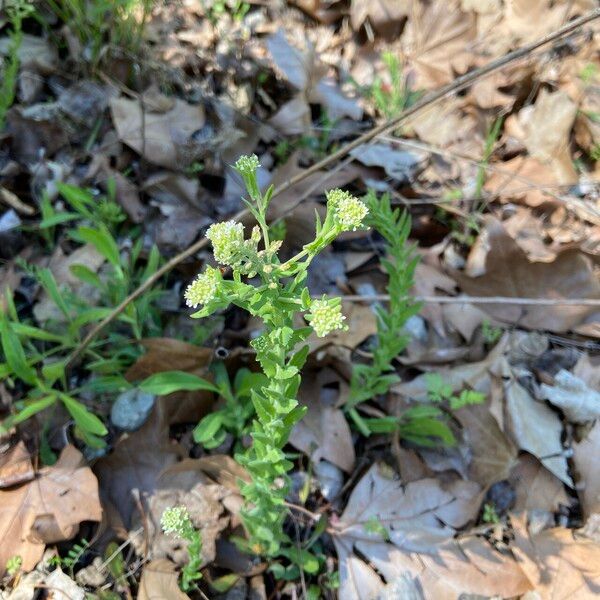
<point>412,515</point>
<point>535,487</point>
<point>160,582</point>
<point>585,457</point>
<point>508,272</point>
<point>493,454</point>
<point>588,370</point>
<point>169,354</point>
<point>436,40</point>
<point>15,466</point>
<point>47,509</point>
<point>382,15</point>
<point>473,375</point>
<point>35,53</point>
<point>471,566</point>
<point>400,165</point>
<point>306,73</point>
<point>159,137</point>
<point>529,232</point>
<point>536,428</point>
<point>522,177</point>
<point>182,484</point>
<point>417,545</point>
<point>550,144</point>
<point>293,117</point>
<point>323,431</point>
<point>560,563</point>
<point>60,265</point>
<point>443,125</point>
<point>464,318</point>
<point>428,282</point>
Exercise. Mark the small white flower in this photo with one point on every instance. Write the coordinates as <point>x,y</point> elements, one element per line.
<point>326,316</point>
<point>227,238</point>
<point>349,211</point>
<point>247,165</point>
<point>176,520</point>
<point>203,289</point>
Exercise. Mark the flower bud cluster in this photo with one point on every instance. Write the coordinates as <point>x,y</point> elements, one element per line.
<point>204,288</point>
<point>349,212</point>
<point>227,239</point>
<point>326,316</point>
<point>176,520</point>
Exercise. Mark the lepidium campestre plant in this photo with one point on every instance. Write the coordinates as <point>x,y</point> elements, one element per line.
<point>276,293</point>
<point>176,521</point>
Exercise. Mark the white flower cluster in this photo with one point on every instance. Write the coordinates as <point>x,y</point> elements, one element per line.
<point>349,211</point>
<point>176,520</point>
<point>247,165</point>
<point>326,316</point>
<point>227,238</point>
<point>203,288</point>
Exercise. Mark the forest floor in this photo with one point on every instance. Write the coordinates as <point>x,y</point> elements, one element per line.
<point>116,156</point>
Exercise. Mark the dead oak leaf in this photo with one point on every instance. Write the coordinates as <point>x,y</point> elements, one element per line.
<point>160,581</point>
<point>159,137</point>
<point>508,272</point>
<point>551,144</point>
<point>47,509</point>
<point>436,41</point>
<point>400,529</point>
<point>560,563</point>
<point>323,432</point>
<point>15,466</point>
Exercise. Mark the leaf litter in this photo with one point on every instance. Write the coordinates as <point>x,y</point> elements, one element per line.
<point>510,510</point>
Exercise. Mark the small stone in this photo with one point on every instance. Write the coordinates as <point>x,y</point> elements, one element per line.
<point>131,409</point>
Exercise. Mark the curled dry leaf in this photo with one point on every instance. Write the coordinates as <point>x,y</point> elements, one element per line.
<point>573,397</point>
<point>47,509</point>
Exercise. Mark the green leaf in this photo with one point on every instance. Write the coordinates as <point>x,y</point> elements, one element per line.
<point>168,382</point>
<point>15,354</point>
<point>77,197</point>
<point>85,420</point>
<point>306,560</point>
<point>57,219</point>
<point>54,371</point>
<point>224,583</point>
<point>36,333</point>
<point>102,240</point>
<point>29,410</point>
<point>208,427</point>
<point>86,275</point>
